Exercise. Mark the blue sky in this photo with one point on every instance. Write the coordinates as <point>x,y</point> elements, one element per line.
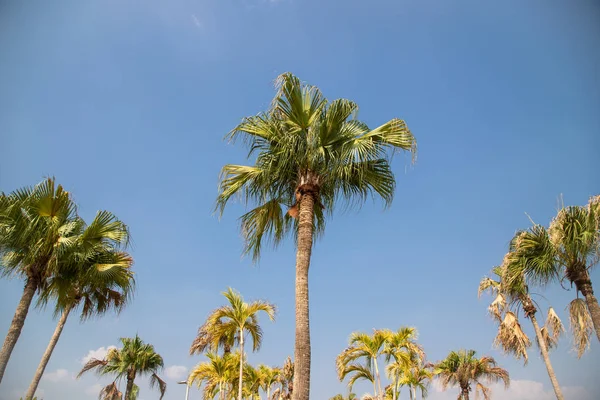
<point>127,102</point>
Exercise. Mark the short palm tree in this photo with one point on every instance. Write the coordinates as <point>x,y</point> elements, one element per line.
<point>100,282</point>
<point>37,227</point>
<point>369,348</point>
<point>511,291</point>
<point>285,379</point>
<point>216,375</point>
<point>350,396</point>
<point>234,321</point>
<point>269,376</point>
<point>311,154</point>
<point>402,348</point>
<point>416,377</point>
<point>463,369</point>
<point>134,359</point>
<point>568,250</point>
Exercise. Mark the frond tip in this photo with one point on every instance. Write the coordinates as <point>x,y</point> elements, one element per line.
<point>581,326</point>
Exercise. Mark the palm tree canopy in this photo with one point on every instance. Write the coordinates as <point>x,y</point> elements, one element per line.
<point>304,142</point>
<point>463,368</point>
<point>136,356</point>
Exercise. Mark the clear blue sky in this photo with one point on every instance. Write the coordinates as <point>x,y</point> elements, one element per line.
<point>127,102</point>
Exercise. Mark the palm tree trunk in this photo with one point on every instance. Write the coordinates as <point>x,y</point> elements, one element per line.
<point>410,391</point>
<point>17,324</point>
<point>268,393</point>
<point>414,392</point>
<point>129,389</point>
<point>241,363</point>
<point>47,354</point>
<point>302,341</point>
<point>394,380</point>
<point>378,378</point>
<point>465,394</point>
<point>585,287</point>
<point>546,358</point>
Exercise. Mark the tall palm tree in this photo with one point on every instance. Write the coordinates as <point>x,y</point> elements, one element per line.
<point>216,374</point>
<point>100,281</point>
<point>234,321</point>
<point>37,226</point>
<point>463,369</point>
<point>568,250</point>
<point>311,154</point>
<point>369,348</point>
<point>513,292</point>
<point>134,359</point>
<point>401,346</point>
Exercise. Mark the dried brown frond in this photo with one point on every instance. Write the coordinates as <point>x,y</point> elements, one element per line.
<point>497,307</point>
<point>581,326</point>
<point>549,341</point>
<point>511,337</point>
<point>110,392</point>
<point>554,324</point>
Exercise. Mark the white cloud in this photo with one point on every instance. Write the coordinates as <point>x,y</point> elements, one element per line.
<point>94,389</point>
<point>176,372</point>
<point>519,390</point>
<point>56,376</point>
<point>196,21</point>
<point>99,353</point>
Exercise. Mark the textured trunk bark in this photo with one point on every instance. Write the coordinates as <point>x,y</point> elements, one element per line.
<point>17,324</point>
<point>301,383</point>
<point>47,354</point>
<point>129,389</point>
<point>546,357</point>
<point>465,394</point>
<point>241,364</point>
<point>585,287</point>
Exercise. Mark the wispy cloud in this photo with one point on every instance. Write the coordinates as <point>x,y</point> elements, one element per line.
<point>56,376</point>
<point>196,21</point>
<point>94,389</point>
<point>176,372</point>
<point>99,353</point>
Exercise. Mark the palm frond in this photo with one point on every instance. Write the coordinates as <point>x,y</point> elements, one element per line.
<point>581,326</point>
<point>511,337</point>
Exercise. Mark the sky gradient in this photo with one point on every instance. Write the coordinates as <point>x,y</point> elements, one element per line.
<point>127,102</point>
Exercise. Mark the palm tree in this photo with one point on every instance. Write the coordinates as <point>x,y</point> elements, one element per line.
<point>269,376</point>
<point>416,377</point>
<point>401,346</point>
<point>100,282</point>
<point>369,348</point>
<point>513,291</point>
<point>234,321</point>
<point>462,369</point>
<point>569,249</point>
<point>134,359</point>
<point>351,396</point>
<point>216,374</point>
<point>311,155</point>
<point>286,381</point>
<point>37,225</point>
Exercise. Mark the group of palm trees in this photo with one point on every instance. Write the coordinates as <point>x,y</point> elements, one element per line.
<point>406,366</point>
<point>564,252</point>
<point>309,156</point>
<point>62,259</point>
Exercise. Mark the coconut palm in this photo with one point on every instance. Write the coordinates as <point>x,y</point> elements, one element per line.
<point>369,348</point>
<point>99,282</point>
<point>568,250</point>
<point>233,322</point>
<point>37,226</point>
<point>310,155</point>
<point>134,359</point>
<point>463,369</point>
<point>285,379</point>
<point>401,347</point>
<point>216,374</point>
<point>513,292</point>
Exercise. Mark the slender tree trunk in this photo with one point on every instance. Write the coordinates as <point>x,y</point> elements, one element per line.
<point>241,363</point>
<point>378,378</point>
<point>414,392</point>
<point>585,287</point>
<point>17,324</point>
<point>301,383</point>
<point>546,358</point>
<point>47,354</point>
<point>465,394</point>
<point>410,390</point>
<point>394,384</point>
<point>129,389</point>
<point>268,392</point>
<point>374,388</point>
